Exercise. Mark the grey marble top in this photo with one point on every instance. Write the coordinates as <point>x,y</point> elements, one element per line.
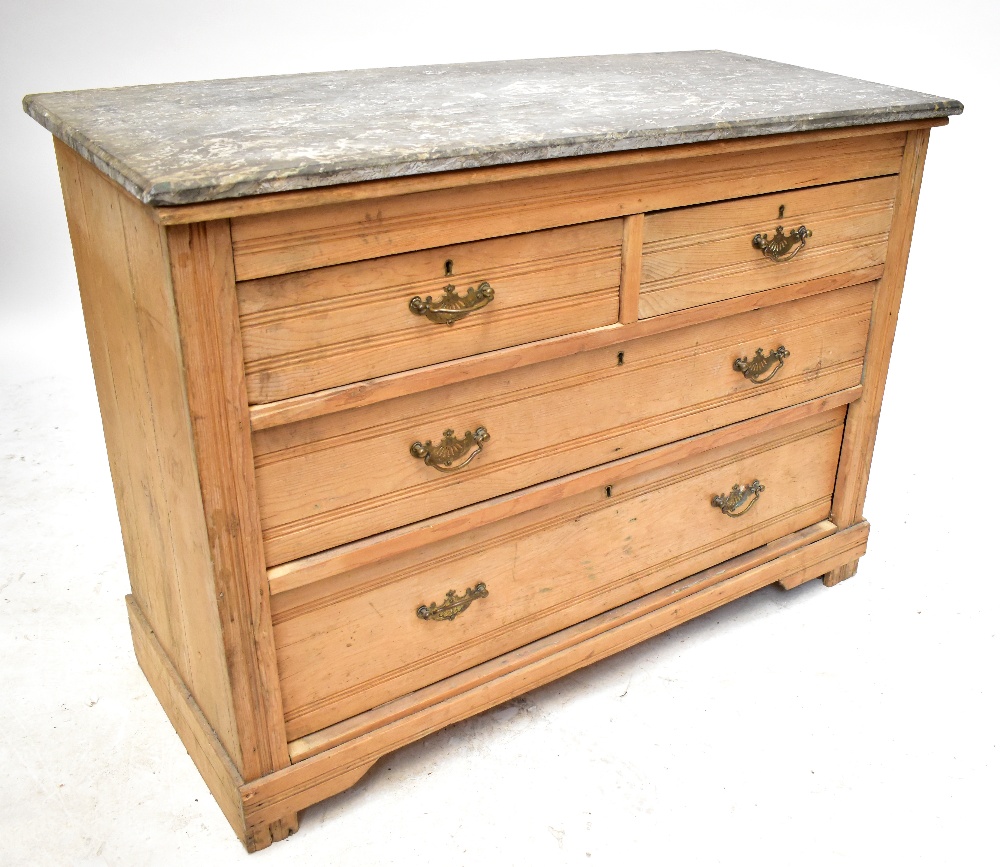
<point>172,144</point>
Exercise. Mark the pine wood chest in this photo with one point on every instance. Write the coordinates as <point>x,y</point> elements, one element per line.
<point>408,415</point>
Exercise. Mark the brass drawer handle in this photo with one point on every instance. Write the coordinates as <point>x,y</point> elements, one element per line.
<point>453,604</point>
<point>756,368</point>
<point>443,455</point>
<point>738,501</point>
<point>782,247</point>
<point>453,306</point>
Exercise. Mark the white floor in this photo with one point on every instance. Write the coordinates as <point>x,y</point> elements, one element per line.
<point>853,725</point>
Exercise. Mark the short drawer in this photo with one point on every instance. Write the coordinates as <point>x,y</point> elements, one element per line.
<point>352,474</point>
<point>326,327</point>
<point>699,255</point>
<point>362,638</point>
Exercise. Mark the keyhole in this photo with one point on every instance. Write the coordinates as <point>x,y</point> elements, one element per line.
<point>621,358</point>
<point>448,264</point>
<point>781,212</point>
<point>607,491</point>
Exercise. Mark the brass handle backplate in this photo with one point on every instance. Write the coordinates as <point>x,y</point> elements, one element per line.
<point>443,455</point>
<point>453,306</point>
<point>761,368</point>
<point>453,604</point>
<point>739,500</point>
<point>782,247</point>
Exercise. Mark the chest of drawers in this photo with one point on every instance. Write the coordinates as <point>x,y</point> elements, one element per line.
<point>408,415</point>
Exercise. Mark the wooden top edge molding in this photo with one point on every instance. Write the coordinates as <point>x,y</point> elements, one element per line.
<point>440,180</point>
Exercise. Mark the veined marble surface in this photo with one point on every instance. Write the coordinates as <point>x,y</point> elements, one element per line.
<point>172,144</point>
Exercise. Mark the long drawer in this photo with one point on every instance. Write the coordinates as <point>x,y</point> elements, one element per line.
<point>348,475</point>
<point>318,329</point>
<point>361,638</point>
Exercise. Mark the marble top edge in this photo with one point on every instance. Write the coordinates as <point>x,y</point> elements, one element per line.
<point>189,142</point>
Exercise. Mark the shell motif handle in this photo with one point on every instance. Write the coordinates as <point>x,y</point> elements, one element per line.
<point>453,604</point>
<point>782,247</point>
<point>453,306</point>
<point>761,368</point>
<point>739,500</point>
<point>443,455</point>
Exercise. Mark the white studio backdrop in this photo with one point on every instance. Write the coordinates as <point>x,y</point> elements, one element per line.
<point>859,727</point>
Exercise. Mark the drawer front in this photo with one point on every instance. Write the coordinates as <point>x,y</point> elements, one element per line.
<point>359,639</point>
<point>694,256</point>
<point>352,474</point>
<point>318,329</point>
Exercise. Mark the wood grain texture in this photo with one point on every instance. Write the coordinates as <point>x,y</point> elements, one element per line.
<point>372,391</point>
<point>322,328</point>
<point>297,240</point>
<point>374,549</point>
<point>862,420</point>
<point>199,738</point>
<point>841,573</point>
<point>196,733</point>
<point>339,478</point>
<point>694,256</point>
<point>360,644</point>
<point>204,288</point>
<point>128,306</point>
<point>631,268</point>
<point>288,201</point>
<point>335,768</point>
